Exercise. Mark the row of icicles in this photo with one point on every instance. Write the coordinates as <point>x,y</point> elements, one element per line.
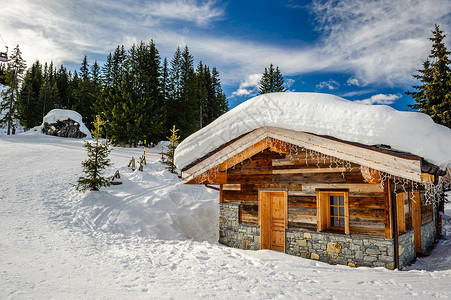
<point>433,192</point>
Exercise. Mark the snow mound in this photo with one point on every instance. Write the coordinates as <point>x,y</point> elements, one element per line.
<point>162,146</point>
<point>63,114</point>
<point>324,114</point>
<point>153,203</point>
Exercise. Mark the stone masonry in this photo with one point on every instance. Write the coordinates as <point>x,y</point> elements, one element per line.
<point>428,236</point>
<point>406,249</point>
<point>234,234</point>
<point>341,249</point>
<point>351,250</point>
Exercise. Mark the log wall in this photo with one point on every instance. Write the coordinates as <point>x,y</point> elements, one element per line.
<point>301,176</point>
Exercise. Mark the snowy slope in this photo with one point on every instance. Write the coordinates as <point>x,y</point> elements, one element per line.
<point>153,238</point>
<point>324,114</point>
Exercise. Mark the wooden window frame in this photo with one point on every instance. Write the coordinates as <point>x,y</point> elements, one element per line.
<point>323,210</point>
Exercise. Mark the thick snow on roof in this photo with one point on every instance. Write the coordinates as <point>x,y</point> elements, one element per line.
<point>324,114</point>
<point>63,114</point>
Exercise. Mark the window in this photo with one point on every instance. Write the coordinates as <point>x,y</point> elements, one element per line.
<point>337,210</point>
<point>332,211</point>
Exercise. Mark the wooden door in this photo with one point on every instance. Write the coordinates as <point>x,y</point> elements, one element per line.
<point>273,220</point>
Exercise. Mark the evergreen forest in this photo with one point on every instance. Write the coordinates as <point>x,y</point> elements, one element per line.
<point>139,95</point>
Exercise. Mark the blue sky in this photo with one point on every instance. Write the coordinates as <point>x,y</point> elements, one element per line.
<point>360,50</point>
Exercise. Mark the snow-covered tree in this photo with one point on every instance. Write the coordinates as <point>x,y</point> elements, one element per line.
<point>13,78</point>
<point>97,161</point>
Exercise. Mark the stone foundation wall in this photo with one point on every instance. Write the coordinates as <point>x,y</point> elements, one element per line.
<point>428,236</point>
<point>332,248</point>
<point>234,234</point>
<point>406,249</point>
<point>341,249</point>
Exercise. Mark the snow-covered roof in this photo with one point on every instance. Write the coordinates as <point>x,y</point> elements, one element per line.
<point>63,114</point>
<point>324,114</point>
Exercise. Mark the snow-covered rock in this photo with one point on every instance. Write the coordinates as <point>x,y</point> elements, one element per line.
<point>56,116</point>
<point>324,114</point>
<point>162,146</point>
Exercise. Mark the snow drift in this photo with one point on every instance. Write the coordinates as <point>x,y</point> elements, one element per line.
<point>324,114</point>
<point>153,203</point>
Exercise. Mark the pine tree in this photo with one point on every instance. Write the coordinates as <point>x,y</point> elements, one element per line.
<point>201,93</point>
<point>84,94</point>
<point>169,155</point>
<point>110,105</point>
<point>11,97</point>
<point>271,81</point>
<point>433,95</point>
<point>97,161</point>
<point>174,89</point>
<point>48,93</point>
<point>62,83</point>
<point>30,107</point>
<point>188,102</point>
<point>220,104</point>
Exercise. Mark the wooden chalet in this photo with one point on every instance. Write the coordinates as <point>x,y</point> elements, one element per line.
<point>321,198</point>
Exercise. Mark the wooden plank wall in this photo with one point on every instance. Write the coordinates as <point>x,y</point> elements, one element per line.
<point>301,176</point>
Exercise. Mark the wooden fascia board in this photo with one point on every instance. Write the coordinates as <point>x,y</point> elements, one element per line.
<point>243,155</point>
<point>405,168</point>
<point>225,154</point>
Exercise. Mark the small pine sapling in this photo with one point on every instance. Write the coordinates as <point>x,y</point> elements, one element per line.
<point>169,155</point>
<point>97,161</point>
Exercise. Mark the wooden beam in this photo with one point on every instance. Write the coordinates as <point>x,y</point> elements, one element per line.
<point>243,155</point>
<point>212,187</point>
<point>301,193</point>
<point>309,170</point>
<point>387,210</point>
<point>243,148</point>
<point>209,177</point>
<point>427,177</point>
<point>224,154</point>
<point>400,212</point>
<point>346,194</point>
<point>279,146</point>
<point>321,212</point>
<point>402,167</point>
<point>352,187</point>
<point>416,220</point>
<point>232,187</point>
<point>285,162</point>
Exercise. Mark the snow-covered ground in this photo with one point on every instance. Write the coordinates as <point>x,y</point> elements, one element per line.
<point>153,238</point>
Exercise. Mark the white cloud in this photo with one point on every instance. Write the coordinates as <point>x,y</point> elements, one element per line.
<point>288,82</point>
<point>380,99</point>
<point>252,80</point>
<point>353,81</point>
<point>330,85</point>
<point>248,86</point>
<point>379,41</point>
<point>241,92</point>
<point>65,30</point>
<point>186,10</point>
<point>374,41</point>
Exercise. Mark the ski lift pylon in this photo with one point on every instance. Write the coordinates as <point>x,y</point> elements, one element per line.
<point>4,55</point>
